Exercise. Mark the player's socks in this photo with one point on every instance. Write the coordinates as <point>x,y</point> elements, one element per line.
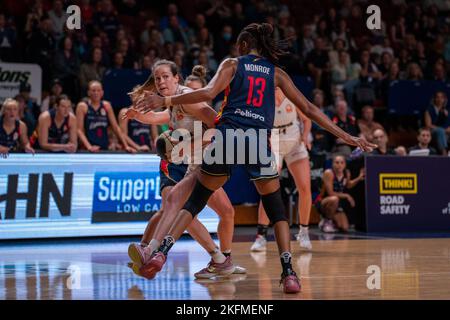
<point>217,256</point>
<point>167,243</point>
<point>262,230</point>
<point>286,258</point>
<point>153,245</point>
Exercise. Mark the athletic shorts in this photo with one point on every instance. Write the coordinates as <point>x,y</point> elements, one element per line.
<point>226,150</point>
<point>170,174</point>
<point>288,148</point>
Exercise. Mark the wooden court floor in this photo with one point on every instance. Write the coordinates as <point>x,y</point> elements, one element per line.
<point>335,269</point>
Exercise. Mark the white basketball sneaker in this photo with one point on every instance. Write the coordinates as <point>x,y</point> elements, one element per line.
<point>303,239</point>
<point>260,244</point>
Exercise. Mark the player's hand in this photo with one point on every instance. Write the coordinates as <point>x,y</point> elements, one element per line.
<point>70,147</point>
<point>130,113</point>
<point>308,145</point>
<point>351,201</point>
<point>4,152</point>
<point>360,142</point>
<point>94,149</point>
<point>362,173</point>
<point>130,149</point>
<point>29,149</point>
<point>149,101</point>
<point>144,148</point>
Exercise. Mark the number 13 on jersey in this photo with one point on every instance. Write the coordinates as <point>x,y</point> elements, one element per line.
<point>258,85</point>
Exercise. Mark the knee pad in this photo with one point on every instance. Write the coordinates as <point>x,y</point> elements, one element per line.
<point>274,206</point>
<point>198,199</point>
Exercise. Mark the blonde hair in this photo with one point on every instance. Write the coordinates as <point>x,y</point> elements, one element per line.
<point>7,102</point>
<point>198,74</point>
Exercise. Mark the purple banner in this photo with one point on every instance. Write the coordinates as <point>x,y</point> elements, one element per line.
<point>407,194</point>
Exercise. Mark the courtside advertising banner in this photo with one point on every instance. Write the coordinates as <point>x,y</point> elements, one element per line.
<point>405,194</point>
<point>64,195</point>
<point>13,74</point>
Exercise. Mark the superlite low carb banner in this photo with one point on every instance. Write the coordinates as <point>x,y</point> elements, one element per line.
<point>13,74</point>
<point>74,195</point>
<point>407,194</point>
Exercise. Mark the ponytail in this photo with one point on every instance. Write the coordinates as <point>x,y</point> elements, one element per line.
<point>259,36</point>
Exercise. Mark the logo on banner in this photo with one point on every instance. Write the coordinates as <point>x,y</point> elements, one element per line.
<point>122,196</point>
<point>392,187</point>
<point>446,210</point>
<point>398,183</point>
<point>30,195</point>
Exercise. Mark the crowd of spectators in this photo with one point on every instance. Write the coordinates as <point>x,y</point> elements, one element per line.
<point>351,66</point>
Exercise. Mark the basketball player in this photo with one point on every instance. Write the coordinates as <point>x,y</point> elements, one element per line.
<point>250,82</point>
<point>13,132</point>
<point>57,128</point>
<point>138,134</point>
<point>291,147</point>
<point>334,199</point>
<point>177,181</point>
<point>93,119</point>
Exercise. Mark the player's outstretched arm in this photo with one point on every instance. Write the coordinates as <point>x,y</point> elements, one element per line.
<point>311,111</point>
<point>218,83</point>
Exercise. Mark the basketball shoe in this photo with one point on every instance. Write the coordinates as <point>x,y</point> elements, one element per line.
<point>290,282</point>
<point>153,266</point>
<point>260,244</point>
<point>214,269</point>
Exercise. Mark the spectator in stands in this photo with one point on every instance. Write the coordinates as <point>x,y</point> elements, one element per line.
<point>437,119</point>
<point>347,123</point>
<point>67,65</point>
<point>129,59</point>
<point>223,43</point>
<point>94,117</point>
<point>175,33</point>
<point>366,124</point>
<point>386,61</point>
<point>7,40</point>
<point>118,61</point>
<point>341,72</point>
<point>424,139</point>
<point>238,21</point>
<point>392,75</point>
<point>335,202</point>
<point>92,70</point>
<point>57,128</point>
<point>172,10</point>
<point>413,72</point>
<point>13,132</point>
<point>40,49</point>
<point>317,62</point>
<point>380,138</point>
<point>333,54</point>
<point>58,17</point>
<point>31,105</point>
<point>49,101</point>
<point>439,72</point>
<point>368,71</point>
<point>307,41</point>
<point>106,20</point>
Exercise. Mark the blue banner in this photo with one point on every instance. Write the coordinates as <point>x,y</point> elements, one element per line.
<point>407,194</point>
<point>126,193</point>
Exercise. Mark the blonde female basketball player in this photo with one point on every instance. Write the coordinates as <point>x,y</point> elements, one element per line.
<point>291,147</point>
<point>176,184</point>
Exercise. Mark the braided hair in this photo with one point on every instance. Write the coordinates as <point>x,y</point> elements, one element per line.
<point>259,36</point>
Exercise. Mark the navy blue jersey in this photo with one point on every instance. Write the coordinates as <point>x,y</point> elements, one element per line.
<point>10,140</point>
<point>96,126</point>
<point>139,132</point>
<point>250,98</point>
<point>57,134</point>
